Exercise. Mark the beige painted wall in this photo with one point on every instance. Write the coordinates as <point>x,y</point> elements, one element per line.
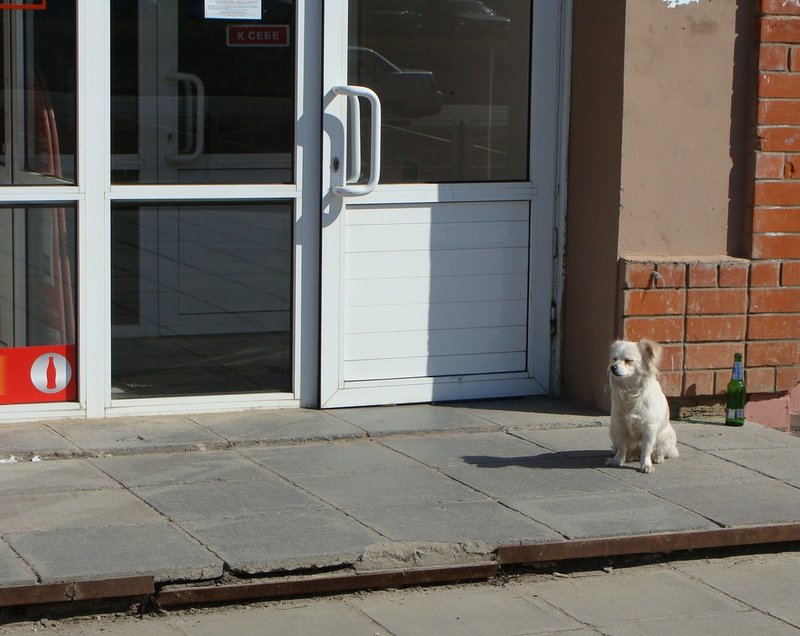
<point>657,155</point>
<point>676,139</point>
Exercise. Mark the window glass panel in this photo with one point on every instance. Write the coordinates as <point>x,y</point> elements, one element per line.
<point>39,129</point>
<point>197,100</point>
<point>201,298</point>
<point>37,304</point>
<point>453,77</point>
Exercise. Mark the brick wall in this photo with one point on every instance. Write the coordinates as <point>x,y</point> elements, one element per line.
<point>704,310</point>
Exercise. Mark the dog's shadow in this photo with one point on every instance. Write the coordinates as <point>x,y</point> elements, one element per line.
<point>550,461</point>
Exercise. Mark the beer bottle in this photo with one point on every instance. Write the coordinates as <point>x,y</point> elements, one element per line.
<point>734,405</point>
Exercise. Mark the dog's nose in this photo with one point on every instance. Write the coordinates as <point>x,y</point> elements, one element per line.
<point>615,368</point>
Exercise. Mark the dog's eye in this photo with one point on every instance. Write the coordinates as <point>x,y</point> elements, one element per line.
<point>627,361</point>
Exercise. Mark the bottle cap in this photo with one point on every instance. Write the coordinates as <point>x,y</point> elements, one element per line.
<point>737,357</point>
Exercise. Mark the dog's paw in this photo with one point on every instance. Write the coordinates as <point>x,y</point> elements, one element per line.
<point>646,469</point>
<point>616,462</point>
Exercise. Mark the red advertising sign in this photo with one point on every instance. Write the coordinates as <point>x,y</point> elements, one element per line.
<point>258,35</point>
<point>29,4</point>
<point>37,374</point>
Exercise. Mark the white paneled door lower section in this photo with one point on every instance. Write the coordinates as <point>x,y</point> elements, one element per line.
<point>435,290</point>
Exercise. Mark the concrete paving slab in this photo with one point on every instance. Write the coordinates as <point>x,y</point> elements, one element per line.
<point>692,468</point>
<point>536,479</point>
<point>713,437</point>
<point>225,500</point>
<point>329,458</point>
<point>280,425</point>
<point>737,624</point>
<point>754,503</point>
<point>137,434</point>
<point>174,468</point>
<point>52,475</point>
<point>768,582</point>
<point>572,441</point>
<point>74,509</point>
<point>623,598</point>
<point>779,463</point>
<point>535,413</point>
<point>160,550</point>
<point>462,521</point>
<point>473,448</point>
<point>13,570</point>
<point>414,418</point>
<point>350,491</point>
<point>466,610</point>
<point>333,619</point>
<point>26,440</point>
<point>609,514</point>
<point>287,539</point>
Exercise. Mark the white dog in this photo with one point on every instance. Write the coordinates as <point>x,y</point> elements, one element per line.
<point>640,426</point>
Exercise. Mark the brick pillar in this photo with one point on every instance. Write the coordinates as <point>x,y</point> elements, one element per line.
<point>773,331</point>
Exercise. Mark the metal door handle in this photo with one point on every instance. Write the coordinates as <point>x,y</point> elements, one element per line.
<point>198,115</point>
<point>353,93</point>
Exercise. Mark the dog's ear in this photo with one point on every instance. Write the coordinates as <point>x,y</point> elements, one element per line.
<point>651,354</point>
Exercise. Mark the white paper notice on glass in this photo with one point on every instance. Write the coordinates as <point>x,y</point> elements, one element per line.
<point>234,9</point>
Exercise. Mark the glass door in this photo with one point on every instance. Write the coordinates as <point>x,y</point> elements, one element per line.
<point>437,254</point>
<point>206,195</point>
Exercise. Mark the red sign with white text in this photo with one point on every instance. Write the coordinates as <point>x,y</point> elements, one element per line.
<point>258,35</point>
<point>38,374</point>
<point>36,5</point>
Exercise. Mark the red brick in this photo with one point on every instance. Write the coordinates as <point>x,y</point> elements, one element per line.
<point>777,353</point>
<point>659,329</point>
<point>769,165</point>
<point>698,383</point>
<point>780,29</point>
<point>711,355</point>
<point>790,274</point>
<point>671,357</point>
<point>760,380</point>
<point>791,167</point>
<point>781,85</point>
<point>702,275</point>
<point>779,138</point>
<point>775,300</point>
<point>764,274</point>
<point>776,220</point>
<point>773,326</point>
<point>786,378</point>
<point>769,193</point>
<point>794,58</point>
<point>776,245</point>
<point>654,302</point>
<point>778,7</point>
<point>776,112</point>
<point>716,301</point>
<point>733,274</point>
<point>773,57</point>
<point>715,328</point>
<point>654,275</point>
<point>671,383</point>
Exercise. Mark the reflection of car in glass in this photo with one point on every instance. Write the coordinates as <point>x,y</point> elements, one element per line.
<point>462,17</point>
<point>388,18</point>
<point>403,93</point>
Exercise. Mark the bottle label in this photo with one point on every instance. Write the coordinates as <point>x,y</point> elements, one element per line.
<point>734,414</point>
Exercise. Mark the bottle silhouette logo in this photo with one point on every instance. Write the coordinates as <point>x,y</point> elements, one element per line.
<point>51,373</point>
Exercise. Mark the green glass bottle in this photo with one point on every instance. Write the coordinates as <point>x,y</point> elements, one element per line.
<point>734,405</point>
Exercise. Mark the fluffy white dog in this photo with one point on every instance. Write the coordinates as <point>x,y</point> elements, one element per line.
<point>640,426</point>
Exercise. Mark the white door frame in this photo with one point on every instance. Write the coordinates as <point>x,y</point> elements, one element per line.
<point>550,42</point>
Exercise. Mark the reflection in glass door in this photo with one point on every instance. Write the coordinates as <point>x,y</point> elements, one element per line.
<point>202,289</point>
